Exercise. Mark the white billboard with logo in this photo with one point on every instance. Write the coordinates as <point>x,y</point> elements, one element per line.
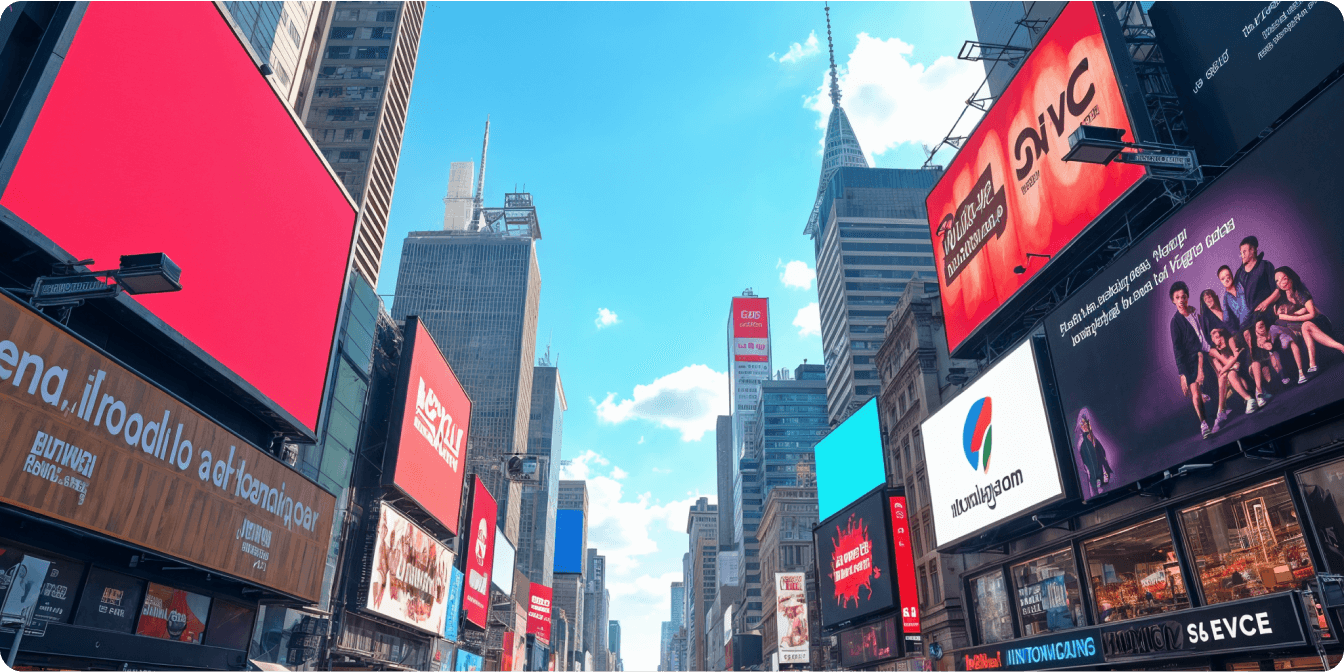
<point>989,452</point>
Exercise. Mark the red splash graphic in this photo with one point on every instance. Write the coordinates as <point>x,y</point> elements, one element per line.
<point>852,562</point>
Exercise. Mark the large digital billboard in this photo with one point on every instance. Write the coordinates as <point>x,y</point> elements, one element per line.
<point>411,573</point>
<point>569,541</point>
<point>1006,465</point>
<point>501,572</point>
<point>1215,326</point>
<point>479,553</point>
<point>1238,67</point>
<point>854,572</point>
<point>904,555</point>
<point>234,193</point>
<point>539,612</point>
<point>1008,193</point>
<point>426,446</point>
<point>849,460</point>
<point>749,345</point>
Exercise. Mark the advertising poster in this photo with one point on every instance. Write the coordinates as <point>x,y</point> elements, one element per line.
<point>410,573</point>
<point>469,662</point>
<point>1006,465</point>
<point>1008,192</point>
<point>23,582</point>
<point>854,574</point>
<point>452,612</point>
<point>905,565</point>
<point>110,600</point>
<point>539,613</point>
<point>791,617</point>
<point>430,438</point>
<point>170,613</point>
<point>569,541</point>
<point>479,552</point>
<point>55,595</point>
<point>1218,324</point>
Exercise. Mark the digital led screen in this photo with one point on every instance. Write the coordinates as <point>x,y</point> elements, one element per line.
<point>849,461</point>
<point>502,574</point>
<point>1238,67</point>
<point>1263,243</point>
<point>854,577</point>
<point>539,612</point>
<point>569,541</point>
<point>233,192</point>
<point>428,441</point>
<point>479,553</point>
<point>869,644</point>
<point>1008,192</point>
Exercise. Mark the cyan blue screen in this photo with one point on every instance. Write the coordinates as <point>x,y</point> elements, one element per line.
<point>569,541</point>
<point>849,461</point>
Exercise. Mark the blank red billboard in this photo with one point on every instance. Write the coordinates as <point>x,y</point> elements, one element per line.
<point>539,612</point>
<point>1008,193</point>
<point>191,153</point>
<point>479,553</point>
<point>427,446</point>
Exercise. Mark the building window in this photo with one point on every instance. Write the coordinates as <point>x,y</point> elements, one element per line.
<point>340,113</point>
<point>368,132</point>
<point>923,588</point>
<point>347,15</point>
<point>371,52</point>
<point>1323,493</point>
<point>935,589</point>
<point>1248,543</point>
<point>989,606</point>
<point>1134,573</point>
<point>328,135</point>
<point>387,15</point>
<point>1047,593</point>
<point>349,134</point>
<point>338,52</point>
<point>328,92</point>
<point>342,34</point>
<point>347,156</point>
<point>377,33</point>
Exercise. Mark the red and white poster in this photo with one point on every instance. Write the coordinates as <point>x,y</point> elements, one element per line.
<point>539,612</point>
<point>905,566</point>
<point>432,436</point>
<point>172,613</point>
<point>479,552</point>
<point>791,617</point>
<point>411,571</point>
<point>1007,193</point>
<point>751,329</point>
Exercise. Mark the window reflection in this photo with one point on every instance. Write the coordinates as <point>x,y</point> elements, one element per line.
<point>1134,573</point>
<point>989,600</point>
<point>1047,593</point>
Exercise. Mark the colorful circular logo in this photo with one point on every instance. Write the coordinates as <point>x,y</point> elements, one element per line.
<point>977,435</point>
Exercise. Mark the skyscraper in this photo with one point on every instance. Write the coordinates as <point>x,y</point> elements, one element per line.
<point>536,532</point>
<point>702,526</point>
<point>281,33</point>
<point>595,609</point>
<point>749,362</point>
<point>727,467</point>
<point>568,580</point>
<point>614,641</point>
<point>793,419</point>
<point>841,147</point>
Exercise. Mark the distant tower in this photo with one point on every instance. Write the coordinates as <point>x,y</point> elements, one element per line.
<point>458,205</point>
<point>841,147</point>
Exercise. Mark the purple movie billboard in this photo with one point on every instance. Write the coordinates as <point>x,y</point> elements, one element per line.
<point>1217,325</point>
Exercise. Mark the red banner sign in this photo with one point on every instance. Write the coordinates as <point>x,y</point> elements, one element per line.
<point>539,612</point>
<point>751,329</point>
<point>479,553</point>
<point>905,566</point>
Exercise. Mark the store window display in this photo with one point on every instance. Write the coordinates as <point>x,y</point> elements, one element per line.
<point>1134,573</point>
<point>1323,497</point>
<point>1047,593</point>
<point>1247,544</point>
<point>989,600</point>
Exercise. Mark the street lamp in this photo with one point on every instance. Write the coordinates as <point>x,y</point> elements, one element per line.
<point>1102,145</point>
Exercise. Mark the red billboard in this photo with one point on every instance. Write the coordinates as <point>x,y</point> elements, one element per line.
<point>479,553</point>
<point>751,329</point>
<point>426,451</point>
<point>1007,193</point>
<point>539,612</point>
<point>212,170</point>
<point>905,566</point>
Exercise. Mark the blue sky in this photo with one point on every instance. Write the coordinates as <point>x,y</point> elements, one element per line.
<point>672,150</point>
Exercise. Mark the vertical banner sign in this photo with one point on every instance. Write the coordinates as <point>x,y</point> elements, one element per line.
<point>750,341</point>
<point>791,617</point>
<point>410,573</point>
<point>539,613</point>
<point>452,613</point>
<point>479,553</point>
<point>1007,193</point>
<point>427,446</point>
<point>905,566</point>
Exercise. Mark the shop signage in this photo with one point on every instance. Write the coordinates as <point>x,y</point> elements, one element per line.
<point>452,613</point>
<point>1072,648</point>
<point>1006,464</point>
<point>410,573</point>
<point>539,612</point>
<point>905,566</point>
<point>1270,221</point>
<point>479,553</point>
<point>92,444</point>
<point>1246,624</point>
<point>1008,192</point>
<point>110,601</point>
<point>855,581</point>
<point>427,439</point>
<point>791,617</point>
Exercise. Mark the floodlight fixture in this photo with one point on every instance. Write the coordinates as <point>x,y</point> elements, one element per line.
<point>1102,145</point>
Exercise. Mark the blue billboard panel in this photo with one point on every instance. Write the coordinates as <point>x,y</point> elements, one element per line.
<point>569,541</point>
<point>469,662</point>
<point>453,611</point>
<point>849,461</point>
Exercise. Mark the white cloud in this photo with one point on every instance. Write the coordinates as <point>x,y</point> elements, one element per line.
<point>660,470</point>
<point>688,400</point>
<point>796,274</point>
<point>640,442</point>
<point>891,101</point>
<point>808,321</point>
<point>606,318</point>
<point>798,52</point>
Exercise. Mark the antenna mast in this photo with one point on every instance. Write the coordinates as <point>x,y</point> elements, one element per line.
<point>835,84</point>
<point>480,181</point>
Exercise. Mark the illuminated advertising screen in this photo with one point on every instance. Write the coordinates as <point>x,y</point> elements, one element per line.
<point>854,578</point>
<point>539,612</point>
<point>469,662</point>
<point>569,541</point>
<point>452,613</point>
<point>1007,192</point>
<point>905,564</point>
<point>501,573</point>
<point>1238,68</point>
<point>410,573</point>
<point>849,460</point>
<point>172,613</point>
<point>749,343</point>
<point>426,450</point>
<point>869,644</point>
<point>235,194</point>
<point>479,553</point>
<point>1215,326</point>
<point>1006,465</point>
<point>791,617</point>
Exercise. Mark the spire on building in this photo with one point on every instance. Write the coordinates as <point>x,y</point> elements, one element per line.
<point>841,147</point>
<point>480,180</point>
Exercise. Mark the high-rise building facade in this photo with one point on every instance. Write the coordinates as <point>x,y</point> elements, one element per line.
<point>458,205</point>
<point>568,587</point>
<point>792,413</point>
<point>786,546</point>
<point>702,526</point>
<point>726,459</point>
<point>281,34</point>
<point>595,606</point>
<point>478,293</point>
<point>614,642</point>
<point>536,527</point>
